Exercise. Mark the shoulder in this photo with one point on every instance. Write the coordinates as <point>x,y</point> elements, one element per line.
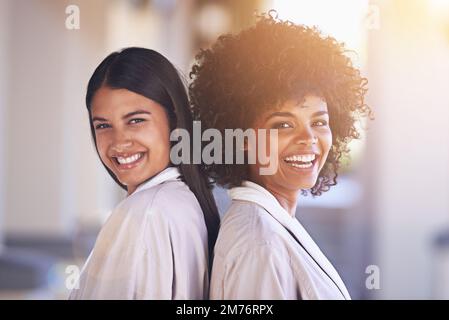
<point>165,201</point>
<point>164,213</point>
<point>248,228</point>
<point>169,205</point>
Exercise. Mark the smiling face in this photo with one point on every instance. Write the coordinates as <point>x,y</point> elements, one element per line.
<point>304,141</point>
<point>132,135</point>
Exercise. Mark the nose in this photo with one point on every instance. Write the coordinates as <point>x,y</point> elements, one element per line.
<point>306,136</point>
<point>122,142</point>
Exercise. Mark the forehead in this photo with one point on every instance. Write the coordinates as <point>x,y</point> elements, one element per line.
<point>309,104</point>
<point>111,101</point>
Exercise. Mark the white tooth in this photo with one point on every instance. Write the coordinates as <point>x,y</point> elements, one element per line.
<point>129,159</point>
<point>302,166</point>
<point>121,160</point>
<point>302,158</point>
<point>306,157</point>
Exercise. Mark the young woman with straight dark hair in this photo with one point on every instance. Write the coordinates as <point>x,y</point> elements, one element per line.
<point>157,243</point>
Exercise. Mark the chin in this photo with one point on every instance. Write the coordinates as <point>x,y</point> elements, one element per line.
<point>304,185</point>
<point>129,182</point>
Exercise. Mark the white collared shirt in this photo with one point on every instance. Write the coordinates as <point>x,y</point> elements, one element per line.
<point>153,246</point>
<point>264,253</point>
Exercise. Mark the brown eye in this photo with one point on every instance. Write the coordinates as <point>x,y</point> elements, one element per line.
<point>136,120</point>
<point>101,126</point>
<point>282,125</point>
<point>320,123</point>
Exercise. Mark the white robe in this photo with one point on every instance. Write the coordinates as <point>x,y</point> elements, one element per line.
<point>257,256</point>
<point>153,246</point>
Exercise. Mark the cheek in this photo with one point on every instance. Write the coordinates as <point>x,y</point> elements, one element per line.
<point>272,147</point>
<point>102,143</point>
<point>326,144</point>
<point>156,138</point>
<point>283,144</point>
<point>165,136</point>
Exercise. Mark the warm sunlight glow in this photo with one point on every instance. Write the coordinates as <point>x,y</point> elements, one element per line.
<point>345,20</point>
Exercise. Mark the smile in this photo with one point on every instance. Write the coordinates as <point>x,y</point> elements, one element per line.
<point>304,161</point>
<point>127,161</point>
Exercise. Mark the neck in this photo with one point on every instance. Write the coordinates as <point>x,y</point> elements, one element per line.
<point>288,199</point>
<point>131,189</point>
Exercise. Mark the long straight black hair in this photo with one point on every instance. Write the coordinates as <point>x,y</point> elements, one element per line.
<point>148,73</point>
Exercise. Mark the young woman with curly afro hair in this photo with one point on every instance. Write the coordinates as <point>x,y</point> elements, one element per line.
<point>288,77</point>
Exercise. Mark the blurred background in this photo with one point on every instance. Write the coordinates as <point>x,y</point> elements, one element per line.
<point>385,226</point>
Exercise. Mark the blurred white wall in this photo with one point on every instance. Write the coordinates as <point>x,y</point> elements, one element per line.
<point>54,179</point>
<point>4,35</point>
<point>409,82</point>
<point>53,173</point>
<point>164,26</point>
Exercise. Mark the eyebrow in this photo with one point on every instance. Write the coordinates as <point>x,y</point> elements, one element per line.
<point>128,115</point>
<point>289,114</point>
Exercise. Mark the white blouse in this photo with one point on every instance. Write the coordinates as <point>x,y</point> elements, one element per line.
<point>264,253</point>
<point>153,246</point>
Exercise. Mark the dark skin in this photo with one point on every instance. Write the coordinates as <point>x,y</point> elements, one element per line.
<point>304,141</point>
